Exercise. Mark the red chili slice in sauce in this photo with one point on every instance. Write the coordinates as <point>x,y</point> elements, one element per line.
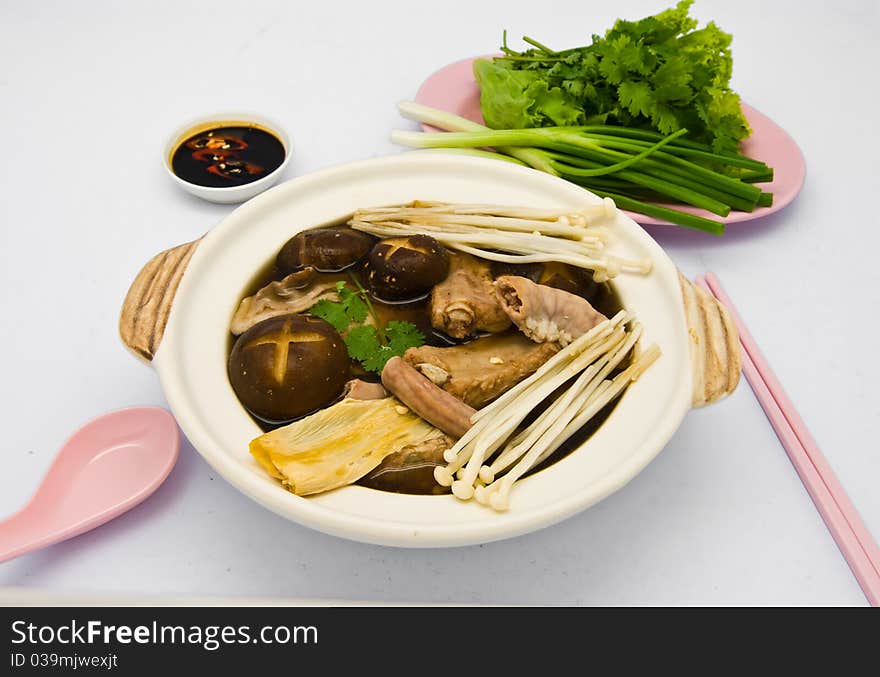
<point>216,142</point>
<point>208,155</point>
<point>231,169</point>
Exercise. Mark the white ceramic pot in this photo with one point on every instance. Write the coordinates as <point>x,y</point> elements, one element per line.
<point>177,316</point>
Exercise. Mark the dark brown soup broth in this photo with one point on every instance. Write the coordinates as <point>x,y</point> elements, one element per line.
<point>603,297</point>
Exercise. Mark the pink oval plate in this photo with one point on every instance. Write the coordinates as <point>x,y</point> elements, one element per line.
<point>454,89</point>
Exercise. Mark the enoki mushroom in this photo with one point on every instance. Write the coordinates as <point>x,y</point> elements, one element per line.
<point>509,234</point>
<point>489,458</point>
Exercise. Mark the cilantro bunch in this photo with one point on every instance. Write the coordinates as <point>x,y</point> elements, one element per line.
<point>660,73</point>
<point>370,344</point>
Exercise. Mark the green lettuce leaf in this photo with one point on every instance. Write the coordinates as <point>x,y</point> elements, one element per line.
<point>516,99</point>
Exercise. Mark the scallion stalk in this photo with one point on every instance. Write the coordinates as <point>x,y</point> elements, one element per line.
<point>630,166</point>
<point>665,213</point>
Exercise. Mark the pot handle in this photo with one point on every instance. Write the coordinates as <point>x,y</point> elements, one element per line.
<point>716,356</point>
<point>148,301</point>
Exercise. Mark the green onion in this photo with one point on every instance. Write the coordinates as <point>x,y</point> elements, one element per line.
<point>765,200</point>
<point>631,166</point>
<point>665,213</point>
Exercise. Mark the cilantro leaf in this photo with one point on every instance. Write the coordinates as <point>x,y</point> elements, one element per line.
<point>636,97</point>
<point>362,342</point>
<point>350,309</point>
<point>661,72</point>
<point>402,336</point>
<point>365,346</point>
<point>332,312</point>
<point>353,305</point>
<point>376,361</point>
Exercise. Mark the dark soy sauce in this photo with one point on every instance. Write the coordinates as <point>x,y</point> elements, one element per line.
<point>228,155</point>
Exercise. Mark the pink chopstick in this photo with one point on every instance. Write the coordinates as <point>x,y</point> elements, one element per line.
<point>843,520</point>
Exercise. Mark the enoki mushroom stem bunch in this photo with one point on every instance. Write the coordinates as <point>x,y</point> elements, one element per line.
<point>509,234</point>
<point>495,453</point>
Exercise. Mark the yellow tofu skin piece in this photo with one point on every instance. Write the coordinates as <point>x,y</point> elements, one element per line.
<point>338,445</point>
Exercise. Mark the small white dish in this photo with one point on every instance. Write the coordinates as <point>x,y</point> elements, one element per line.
<point>227,194</point>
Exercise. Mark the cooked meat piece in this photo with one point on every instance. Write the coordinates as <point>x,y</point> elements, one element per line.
<point>295,293</point>
<point>434,405</point>
<point>357,389</point>
<point>411,470</point>
<point>479,371</point>
<point>578,281</point>
<point>543,313</point>
<point>465,301</point>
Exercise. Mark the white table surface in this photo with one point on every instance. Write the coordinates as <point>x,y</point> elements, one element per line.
<point>89,92</point>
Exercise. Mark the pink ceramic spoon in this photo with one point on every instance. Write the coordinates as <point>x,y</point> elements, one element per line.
<point>108,466</point>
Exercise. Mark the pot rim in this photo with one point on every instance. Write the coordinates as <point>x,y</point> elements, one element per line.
<point>467,523</point>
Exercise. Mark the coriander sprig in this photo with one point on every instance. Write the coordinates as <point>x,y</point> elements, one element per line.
<point>370,344</point>
<point>371,309</point>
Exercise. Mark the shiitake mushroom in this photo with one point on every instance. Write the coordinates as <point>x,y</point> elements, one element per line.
<point>327,250</point>
<point>568,278</point>
<point>288,366</point>
<point>402,268</point>
<point>530,270</point>
<point>410,470</point>
<point>553,274</point>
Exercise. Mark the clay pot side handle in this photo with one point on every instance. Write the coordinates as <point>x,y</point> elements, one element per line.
<point>714,342</point>
<point>148,301</point>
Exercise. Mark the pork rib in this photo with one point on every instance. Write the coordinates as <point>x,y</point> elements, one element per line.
<point>479,371</point>
<point>465,302</point>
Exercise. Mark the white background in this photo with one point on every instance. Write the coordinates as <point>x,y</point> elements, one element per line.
<point>88,93</point>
